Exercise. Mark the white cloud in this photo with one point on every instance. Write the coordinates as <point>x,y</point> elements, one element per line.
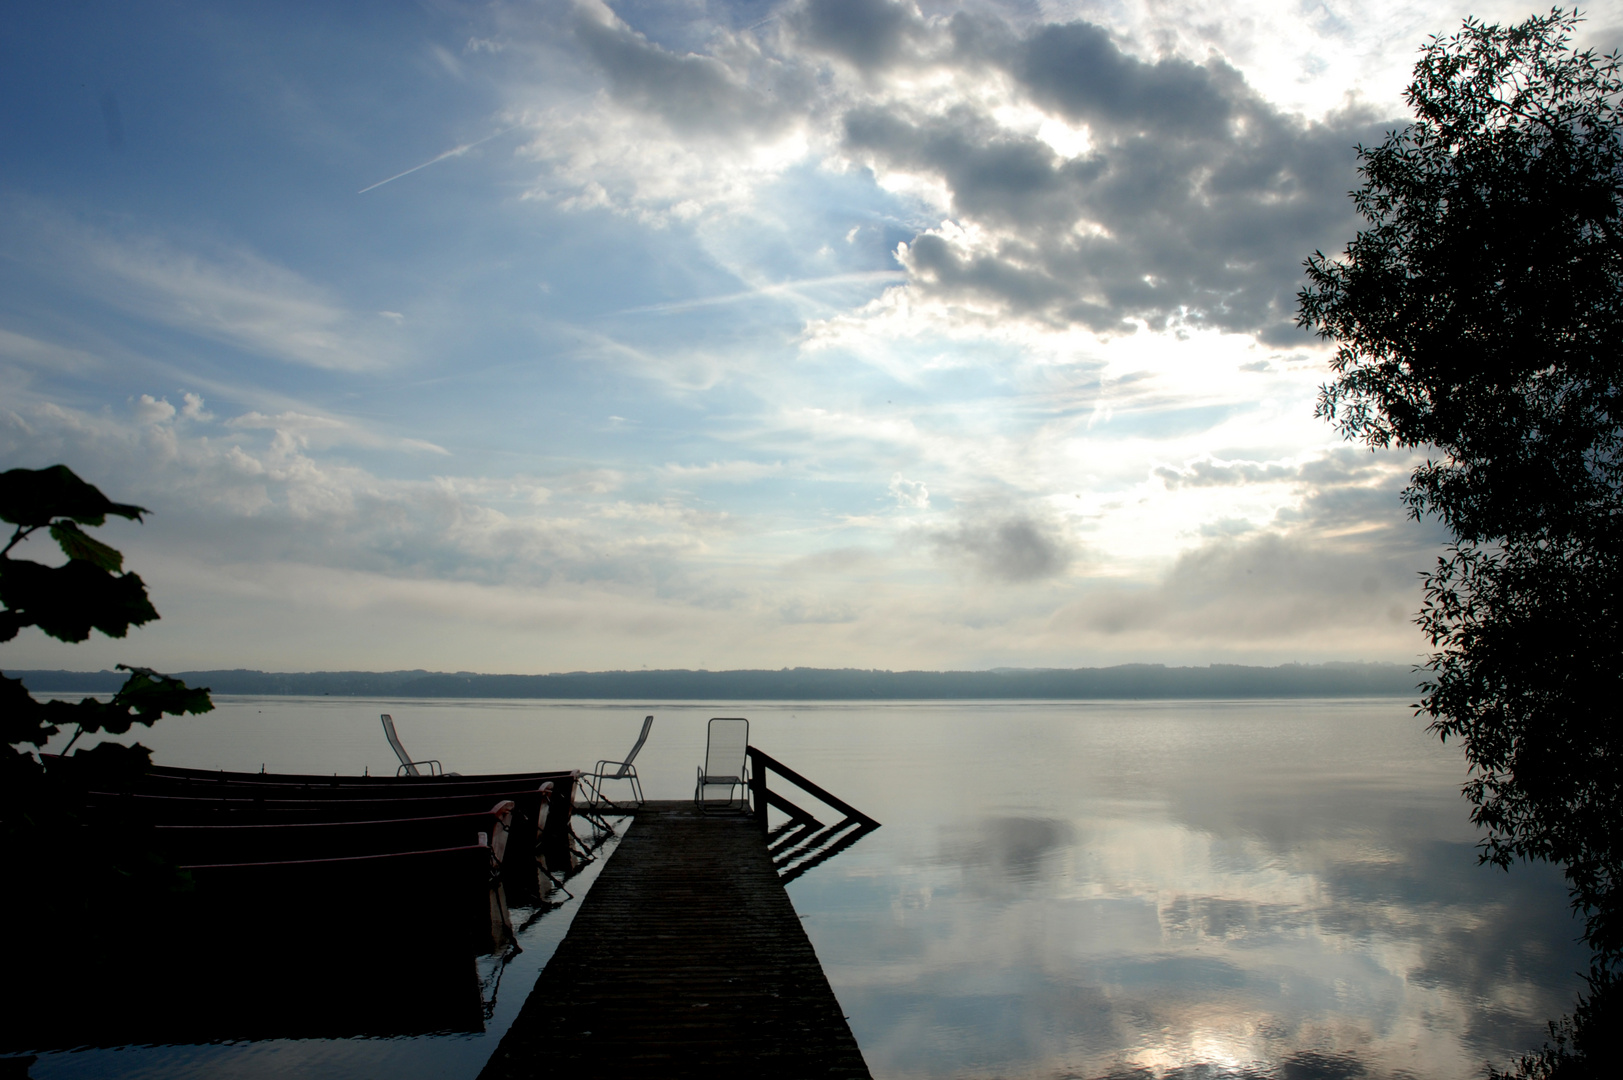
<point>308,429</point>
<point>150,410</point>
<point>1054,299</point>
<point>724,472</point>
<point>221,292</point>
<point>44,355</point>
<point>909,493</point>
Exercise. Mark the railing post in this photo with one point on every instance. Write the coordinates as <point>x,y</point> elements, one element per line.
<point>758,786</point>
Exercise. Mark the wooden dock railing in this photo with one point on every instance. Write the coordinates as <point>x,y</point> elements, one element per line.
<point>802,842</point>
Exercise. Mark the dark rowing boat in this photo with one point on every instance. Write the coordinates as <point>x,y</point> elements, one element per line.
<point>281,842</point>
<point>335,782</point>
<point>308,905</point>
<point>541,823</point>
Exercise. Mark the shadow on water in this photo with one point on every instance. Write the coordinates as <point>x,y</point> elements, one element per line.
<point>247,971</point>
<point>251,991</point>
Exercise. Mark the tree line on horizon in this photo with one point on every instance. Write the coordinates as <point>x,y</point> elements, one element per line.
<point>1125,681</point>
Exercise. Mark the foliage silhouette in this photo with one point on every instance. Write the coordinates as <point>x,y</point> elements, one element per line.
<point>1478,318</point>
<point>56,857</point>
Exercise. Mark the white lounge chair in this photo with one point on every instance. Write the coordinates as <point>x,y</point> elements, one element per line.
<point>622,770</point>
<point>408,767</point>
<point>726,748</point>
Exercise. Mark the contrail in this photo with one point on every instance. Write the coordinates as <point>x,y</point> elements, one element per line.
<point>457,152</point>
<point>790,287</point>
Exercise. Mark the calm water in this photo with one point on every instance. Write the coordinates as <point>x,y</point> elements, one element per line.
<point>1117,889</point>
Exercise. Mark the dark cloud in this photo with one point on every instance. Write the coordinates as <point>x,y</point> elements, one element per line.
<point>1077,70</point>
<point>1169,226</point>
<point>1193,204</point>
<point>1014,549</point>
<point>693,93</point>
<point>1345,471</point>
<point>997,176</point>
<point>1212,473</point>
<point>1196,202</point>
<point>868,34</point>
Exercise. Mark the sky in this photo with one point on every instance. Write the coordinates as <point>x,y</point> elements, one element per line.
<point>549,336</point>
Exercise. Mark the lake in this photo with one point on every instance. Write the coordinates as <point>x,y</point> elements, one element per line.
<point>1059,889</point>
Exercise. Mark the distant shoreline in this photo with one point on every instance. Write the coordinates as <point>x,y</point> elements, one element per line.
<point>1122,682</point>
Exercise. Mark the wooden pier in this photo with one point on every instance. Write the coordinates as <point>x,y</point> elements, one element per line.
<point>686,958</point>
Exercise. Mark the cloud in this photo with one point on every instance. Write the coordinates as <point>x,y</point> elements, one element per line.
<point>1192,205</point>
<point>868,34</point>
<point>1209,472</point>
<point>219,292</point>
<point>288,421</point>
<point>1339,559</point>
<point>817,611</point>
<point>1265,587</point>
<point>307,429</point>
<point>696,95</point>
<point>150,410</point>
<point>909,493</point>
<point>726,472</point>
<point>794,290</point>
<point>193,407</point>
<point>45,355</point>
<point>729,176</point>
<point>1343,469</point>
<point>844,561</point>
<point>1071,183</point>
<point>263,490</point>
<point>1013,549</point>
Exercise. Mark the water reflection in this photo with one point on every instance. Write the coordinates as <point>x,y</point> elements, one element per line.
<point>1150,890</point>
<point>1010,855</point>
<point>1293,916</point>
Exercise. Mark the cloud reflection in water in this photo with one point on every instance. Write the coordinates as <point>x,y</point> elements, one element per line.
<point>1303,914</point>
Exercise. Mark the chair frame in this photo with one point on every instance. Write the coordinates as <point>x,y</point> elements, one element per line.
<point>740,781</point>
<point>593,781</point>
<point>408,767</point>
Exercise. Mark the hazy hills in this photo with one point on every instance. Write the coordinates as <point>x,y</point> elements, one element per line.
<point>1126,681</point>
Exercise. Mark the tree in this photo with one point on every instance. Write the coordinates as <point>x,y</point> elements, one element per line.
<point>90,591</point>
<point>1478,318</point>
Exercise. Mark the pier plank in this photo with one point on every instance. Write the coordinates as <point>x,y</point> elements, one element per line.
<point>685,959</point>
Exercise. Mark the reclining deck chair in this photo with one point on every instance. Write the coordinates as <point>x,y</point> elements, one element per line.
<point>726,747</point>
<point>408,767</point>
<point>623,770</point>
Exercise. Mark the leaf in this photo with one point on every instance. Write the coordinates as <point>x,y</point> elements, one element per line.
<point>111,757</point>
<point>67,602</point>
<point>109,763</point>
<point>34,497</point>
<point>152,694</point>
<point>76,544</point>
<point>145,698</point>
<point>22,719</point>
